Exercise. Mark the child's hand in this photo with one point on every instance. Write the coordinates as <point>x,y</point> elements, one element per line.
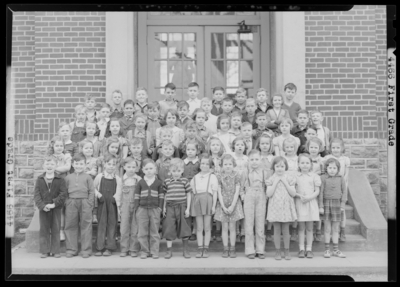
<point>149,151</point>
<point>225,210</point>
<point>187,213</point>
<point>159,209</point>
<point>230,209</point>
<point>242,197</point>
<point>164,214</point>
<point>213,210</point>
<point>46,208</point>
<point>321,210</point>
<point>341,209</point>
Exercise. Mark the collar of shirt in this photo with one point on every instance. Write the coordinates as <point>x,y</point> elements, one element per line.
<point>193,100</point>
<point>129,117</point>
<point>140,133</point>
<point>216,103</point>
<point>105,174</point>
<point>248,140</point>
<point>336,175</point>
<point>230,131</point>
<point>183,119</point>
<point>203,175</point>
<point>172,179</point>
<point>153,120</point>
<point>165,159</point>
<point>262,104</point>
<point>138,157</point>
<point>316,160</point>
<point>231,174</point>
<point>150,180</point>
<point>302,173</point>
<point>114,108</point>
<point>256,170</point>
<point>203,128</point>
<point>240,108</point>
<point>134,176</point>
<point>59,156</point>
<point>145,104</point>
<point>193,161</point>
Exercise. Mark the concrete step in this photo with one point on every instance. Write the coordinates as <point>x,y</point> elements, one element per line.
<point>353,226</point>
<point>349,211</point>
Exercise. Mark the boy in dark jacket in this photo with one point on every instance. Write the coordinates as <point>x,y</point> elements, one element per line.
<point>50,194</point>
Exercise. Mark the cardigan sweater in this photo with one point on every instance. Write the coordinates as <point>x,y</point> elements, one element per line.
<point>56,194</point>
<point>149,196</point>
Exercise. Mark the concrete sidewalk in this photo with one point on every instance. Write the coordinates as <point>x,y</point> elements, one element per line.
<point>356,263</point>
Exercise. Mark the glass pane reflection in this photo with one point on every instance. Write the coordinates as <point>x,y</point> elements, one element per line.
<point>246,46</point>
<point>232,46</point>
<point>246,74</point>
<point>175,73</point>
<point>175,45</point>
<point>161,42</point>
<point>217,45</point>
<point>161,76</point>
<point>232,73</point>
<point>217,74</point>
<point>189,72</point>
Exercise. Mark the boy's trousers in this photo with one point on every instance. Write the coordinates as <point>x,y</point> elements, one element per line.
<point>129,228</point>
<point>254,214</point>
<point>107,216</point>
<point>78,212</point>
<point>149,221</point>
<point>50,223</point>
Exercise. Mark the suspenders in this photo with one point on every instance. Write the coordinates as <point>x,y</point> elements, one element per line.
<point>208,183</point>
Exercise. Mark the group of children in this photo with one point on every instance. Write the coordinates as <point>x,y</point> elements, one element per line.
<point>169,169</point>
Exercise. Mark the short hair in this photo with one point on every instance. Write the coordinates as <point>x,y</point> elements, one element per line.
<point>167,143</point>
<point>109,157</point>
<point>165,129</point>
<point>83,143</point>
<point>228,156</point>
<point>146,161</point>
<point>115,119</point>
<point>78,157</point>
<point>170,86</point>
<point>254,151</point>
<point>316,112</point>
<point>278,95</point>
<point>260,114</point>
<point>218,89</point>
<point>141,116</point>
<point>57,139</point>
<point>290,86</point>
<point>50,158</point>
<point>129,102</point>
<point>89,96</point>
<point>214,138</point>
<point>251,100</point>
<point>172,112</point>
<point>153,105</point>
<point>314,140</point>
<point>88,123</point>
<point>80,108</point>
<point>245,124</point>
<point>191,125</point>
<point>109,141</point>
<point>182,104</point>
<point>135,141</point>
<point>227,99</point>
<point>240,90</point>
<point>141,89</point>
<point>307,156</point>
<point>223,117</point>
<point>287,121</point>
<point>196,111</point>
<point>340,141</point>
<point>239,138</point>
<point>265,135</point>
<point>279,159</point>
<point>302,111</point>
<point>62,124</point>
<point>176,163</point>
<point>236,114</point>
<point>312,127</point>
<point>105,105</point>
<point>117,91</point>
<point>128,160</point>
<point>195,143</point>
<point>193,84</point>
<point>329,161</point>
<point>290,140</point>
<point>262,90</point>
<point>205,100</point>
<point>208,157</point>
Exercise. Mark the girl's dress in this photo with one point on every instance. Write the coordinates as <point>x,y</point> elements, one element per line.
<point>229,183</point>
<point>305,185</point>
<point>281,206</point>
<point>293,166</point>
<point>204,186</point>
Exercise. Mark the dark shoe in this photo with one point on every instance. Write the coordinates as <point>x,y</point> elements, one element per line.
<point>168,254</point>
<point>107,253</point>
<point>278,254</point>
<point>301,254</point>
<point>225,253</point>
<point>85,255</point>
<point>251,256</point>
<point>98,253</point>
<point>57,255</point>
<point>287,254</point>
<point>134,254</point>
<point>342,237</point>
<point>193,237</point>
<point>44,255</point>
<point>186,253</point>
<point>205,252</point>
<point>232,252</point>
<point>309,254</point>
<point>261,255</point>
<point>199,252</point>
<point>123,254</point>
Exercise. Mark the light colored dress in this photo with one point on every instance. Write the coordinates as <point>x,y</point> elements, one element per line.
<point>281,206</point>
<point>305,185</point>
<point>228,184</point>
<point>241,168</point>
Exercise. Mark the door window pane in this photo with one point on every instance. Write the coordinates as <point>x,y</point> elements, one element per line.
<point>232,46</point>
<point>161,73</point>
<point>161,42</point>
<point>175,73</point>
<point>189,45</point>
<point>246,74</point>
<point>175,45</point>
<point>189,72</point>
<point>217,74</point>
<point>232,74</point>
<point>217,45</point>
<point>246,46</point>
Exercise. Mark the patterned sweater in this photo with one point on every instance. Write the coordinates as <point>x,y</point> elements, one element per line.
<point>149,196</point>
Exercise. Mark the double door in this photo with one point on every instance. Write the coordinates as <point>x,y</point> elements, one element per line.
<point>209,55</point>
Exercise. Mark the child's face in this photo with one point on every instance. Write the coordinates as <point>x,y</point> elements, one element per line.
<point>190,133</point>
<point>332,169</point>
<point>316,118</point>
<point>87,149</point>
<point>79,166</point>
<point>130,167</point>
<point>302,119</point>
<point>262,97</point>
<point>280,168</point>
<point>170,119</point>
<point>49,166</point>
<point>336,149</point>
<point>310,134</point>
<point>227,107</point>
<point>254,160</point>
<point>90,104</point>
<point>58,147</point>
<point>224,124</point>
<point>261,121</point>
<point>218,95</point>
<point>65,132</point>
<point>277,102</point>
<point>240,98</point>
<point>141,96</point>
<point>90,130</point>
<point>193,92</point>
<point>176,172</point>
<point>116,98</point>
<point>250,107</point>
<point>247,131</point>
<point>285,128</point>
<point>149,169</point>
<point>265,144</point>
<point>206,106</point>
<point>313,149</point>
<point>113,148</point>
<point>304,164</point>
<point>136,149</point>
<point>289,149</point>
<point>140,123</point>
<point>153,113</point>
<point>200,119</point>
<point>105,113</point>
<point>110,166</point>
<point>165,136</point>
<point>191,150</point>
<point>115,127</point>
<point>215,146</point>
<point>80,116</point>
<point>290,94</point>
<point>236,122</point>
<point>169,94</point>
<point>205,165</point>
<point>129,109</point>
<point>182,112</point>
<point>167,150</point>
<point>227,165</point>
<point>239,147</point>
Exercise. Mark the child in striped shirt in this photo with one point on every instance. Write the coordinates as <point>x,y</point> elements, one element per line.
<point>176,208</point>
